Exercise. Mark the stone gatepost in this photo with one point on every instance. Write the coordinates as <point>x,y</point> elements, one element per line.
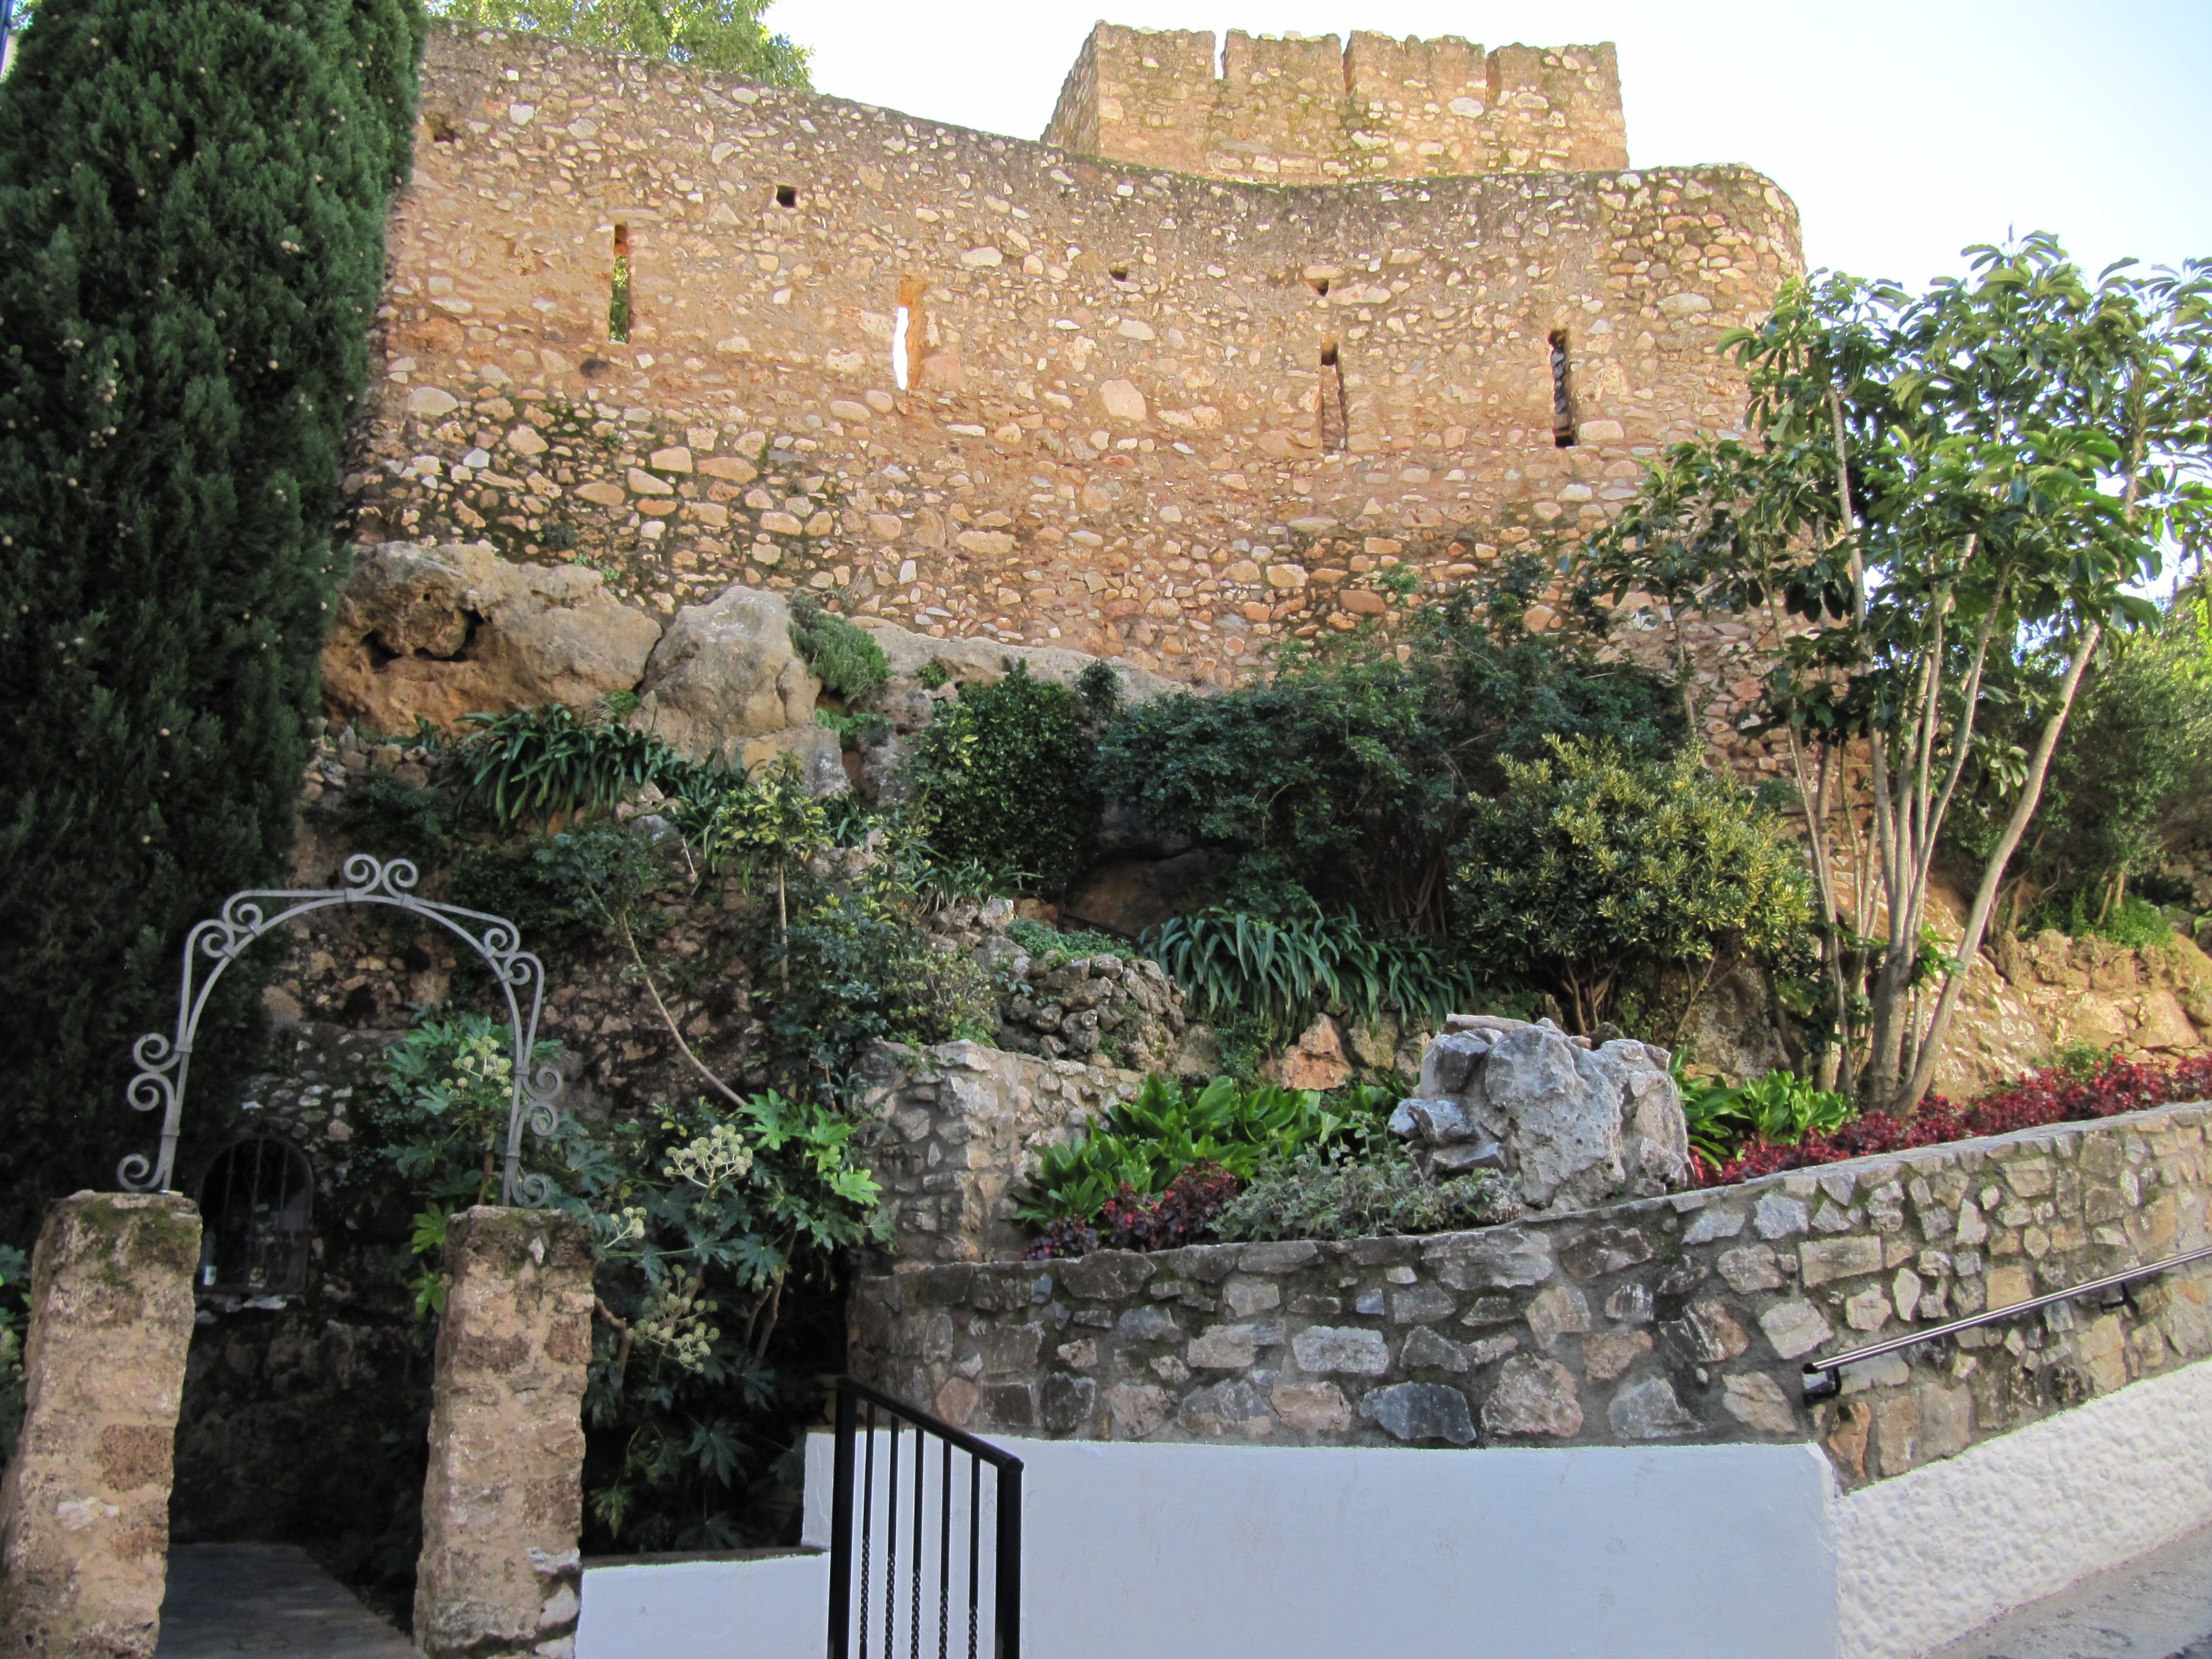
<point>84,1510</point>
<point>503,1504</point>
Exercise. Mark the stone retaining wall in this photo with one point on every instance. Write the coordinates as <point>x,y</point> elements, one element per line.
<point>1684,1319</point>
<point>958,1127</point>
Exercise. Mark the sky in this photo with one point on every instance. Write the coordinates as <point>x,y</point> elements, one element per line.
<point>1904,130</point>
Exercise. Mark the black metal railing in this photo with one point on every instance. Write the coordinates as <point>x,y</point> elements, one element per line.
<point>911,1573</point>
<point>1820,1379</point>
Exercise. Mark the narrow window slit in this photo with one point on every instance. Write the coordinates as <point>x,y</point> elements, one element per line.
<point>1336,416</point>
<point>786,196</point>
<point>909,333</point>
<point>1562,394</point>
<point>618,300</point>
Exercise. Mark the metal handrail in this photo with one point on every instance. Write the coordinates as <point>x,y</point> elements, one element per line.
<point>1822,1383</point>
<point>1006,1544</point>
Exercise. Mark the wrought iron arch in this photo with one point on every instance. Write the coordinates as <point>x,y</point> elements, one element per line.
<point>163,1062</point>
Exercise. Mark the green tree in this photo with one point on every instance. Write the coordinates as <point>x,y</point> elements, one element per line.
<point>726,35</point>
<point>1936,485</point>
<point>191,245</point>
<point>1345,776</point>
<point>1594,867</point>
<point>1005,776</point>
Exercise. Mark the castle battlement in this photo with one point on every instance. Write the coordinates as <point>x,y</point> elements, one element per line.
<point>698,332</point>
<point>1307,110</point>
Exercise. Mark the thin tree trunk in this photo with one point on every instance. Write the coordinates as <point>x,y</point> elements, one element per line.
<point>1977,920</point>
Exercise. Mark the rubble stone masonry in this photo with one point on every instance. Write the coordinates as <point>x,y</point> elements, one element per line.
<point>1685,1319</point>
<point>504,1502</point>
<point>981,386</point>
<point>84,1510</point>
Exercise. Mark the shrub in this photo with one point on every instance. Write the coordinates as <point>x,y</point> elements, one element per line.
<point>1343,779</point>
<point>2065,1093</point>
<point>844,656</point>
<point>1183,1213</point>
<point>1319,1195</point>
<point>1234,967</point>
<point>440,1127</point>
<point>388,816</point>
<point>1780,1108</point>
<point>189,267</point>
<point>1139,1148</point>
<point>548,764</point>
<point>1005,775</point>
<point>15,1280</point>
<point>706,1218</point>
<point>1050,947</point>
<point>1597,864</point>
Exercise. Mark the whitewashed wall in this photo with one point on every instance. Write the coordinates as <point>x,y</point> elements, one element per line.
<point>1582,1553</point>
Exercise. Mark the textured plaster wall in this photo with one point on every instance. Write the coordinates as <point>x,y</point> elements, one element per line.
<point>1950,1546</point>
<point>1112,437</point>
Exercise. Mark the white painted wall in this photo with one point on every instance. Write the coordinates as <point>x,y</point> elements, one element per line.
<point>1319,1553</point>
<point>1583,1553</point>
<point>1932,1554</point>
<point>769,1608</point>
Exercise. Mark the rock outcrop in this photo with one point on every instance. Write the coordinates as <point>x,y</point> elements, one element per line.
<point>436,633</point>
<point>1572,1124</point>
<point>725,676</point>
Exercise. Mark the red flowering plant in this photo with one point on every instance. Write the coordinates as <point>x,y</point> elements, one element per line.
<point>2057,1094</point>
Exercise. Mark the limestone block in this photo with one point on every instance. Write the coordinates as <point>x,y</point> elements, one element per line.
<point>980,662</point>
<point>1574,1126</point>
<point>437,633</point>
<point>724,672</point>
<point>84,1509</point>
<point>503,1501</point>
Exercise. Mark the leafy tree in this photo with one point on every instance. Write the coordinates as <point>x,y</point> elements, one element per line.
<point>1937,484</point>
<point>1005,776</point>
<point>191,245</point>
<point>1343,780</point>
<point>1595,866</point>
<point>2130,780</point>
<point>726,35</point>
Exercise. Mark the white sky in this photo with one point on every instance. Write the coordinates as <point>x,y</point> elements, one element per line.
<point>1904,128</point>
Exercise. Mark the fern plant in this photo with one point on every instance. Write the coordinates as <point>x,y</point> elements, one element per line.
<point>549,764</point>
<point>1233,965</point>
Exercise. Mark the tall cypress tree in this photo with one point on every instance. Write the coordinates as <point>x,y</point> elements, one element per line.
<point>192,196</point>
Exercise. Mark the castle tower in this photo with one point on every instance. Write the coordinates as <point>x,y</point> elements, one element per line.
<point>1303,110</point>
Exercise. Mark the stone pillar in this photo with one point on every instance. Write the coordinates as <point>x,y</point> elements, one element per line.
<point>503,1503</point>
<point>84,1510</point>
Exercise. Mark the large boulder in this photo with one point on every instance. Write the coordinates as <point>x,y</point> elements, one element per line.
<point>725,674</point>
<point>436,633</point>
<point>1572,1124</point>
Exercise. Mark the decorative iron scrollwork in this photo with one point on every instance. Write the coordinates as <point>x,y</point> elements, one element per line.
<point>164,1061</point>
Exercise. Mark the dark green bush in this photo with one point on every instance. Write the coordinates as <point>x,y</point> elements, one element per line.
<point>844,657</point>
<point>1345,776</point>
<point>386,815</point>
<point>1597,866</point>
<point>191,249</point>
<point>1005,776</point>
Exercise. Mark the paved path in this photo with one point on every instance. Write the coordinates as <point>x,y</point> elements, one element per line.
<point>266,1598</point>
<point>2156,1607</point>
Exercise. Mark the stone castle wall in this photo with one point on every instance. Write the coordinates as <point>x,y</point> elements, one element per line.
<point>1301,111</point>
<point>1119,434</point>
<point>1685,1319</point>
